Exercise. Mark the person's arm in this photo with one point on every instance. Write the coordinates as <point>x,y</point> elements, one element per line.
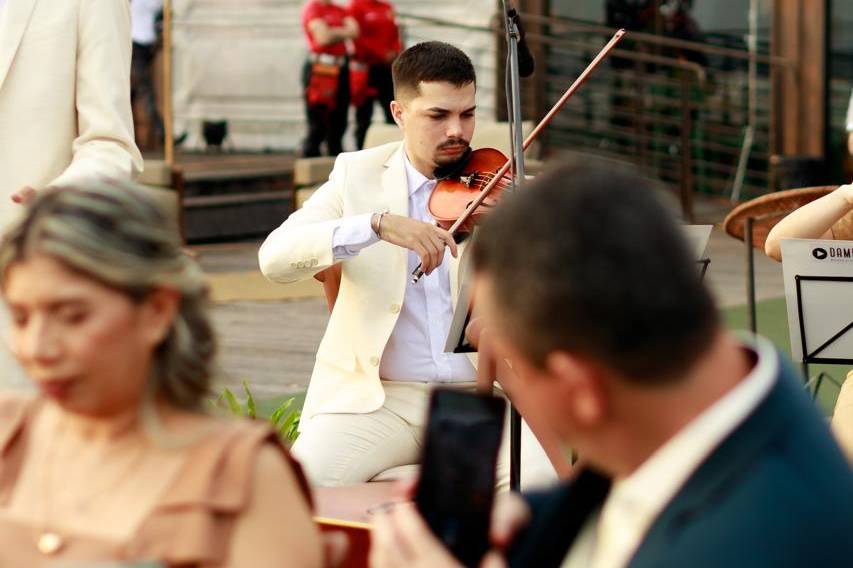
<point>811,221</point>
<point>849,125</point>
<point>276,528</point>
<point>303,245</point>
<point>104,145</point>
<point>324,35</point>
<point>312,237</point>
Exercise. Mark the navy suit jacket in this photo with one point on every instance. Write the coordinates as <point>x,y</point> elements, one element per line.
<point>776,492</point>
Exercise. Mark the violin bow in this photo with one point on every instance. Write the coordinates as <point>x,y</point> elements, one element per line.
<point>499,175</point>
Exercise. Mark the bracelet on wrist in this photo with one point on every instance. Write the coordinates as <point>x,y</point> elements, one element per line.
<point>376,222</point>
<point>379,224</point>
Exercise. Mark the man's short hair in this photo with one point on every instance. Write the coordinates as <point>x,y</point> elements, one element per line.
<point>587,260</point>
<point>430,61</point>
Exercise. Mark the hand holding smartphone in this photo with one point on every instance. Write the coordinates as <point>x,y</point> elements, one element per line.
<point>457,484</point>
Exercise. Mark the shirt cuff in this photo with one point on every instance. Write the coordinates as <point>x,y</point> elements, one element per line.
<point>351,234</point>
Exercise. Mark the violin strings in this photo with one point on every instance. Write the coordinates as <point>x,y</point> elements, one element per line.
<point>480,185</point>
<point>490,177</point>
<point>486,179</point>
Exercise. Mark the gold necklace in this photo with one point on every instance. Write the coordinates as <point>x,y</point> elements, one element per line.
<point>50,540</point>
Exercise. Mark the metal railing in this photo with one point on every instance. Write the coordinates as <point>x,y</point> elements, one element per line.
<point>677,109</point>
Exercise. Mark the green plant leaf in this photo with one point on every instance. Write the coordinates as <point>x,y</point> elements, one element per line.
<point>290,423</point>
<point>251,410</point>
<point>278,413</point>
<point>275,417</point>
<point>294,429</point>
<point>233,403</point>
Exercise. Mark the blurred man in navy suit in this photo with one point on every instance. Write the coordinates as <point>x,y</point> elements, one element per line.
<point>697,448</point>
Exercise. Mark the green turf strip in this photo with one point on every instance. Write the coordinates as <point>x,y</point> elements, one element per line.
<point>772,324</point>
<point>772,320</point>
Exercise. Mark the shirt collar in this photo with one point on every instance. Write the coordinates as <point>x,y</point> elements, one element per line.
<point>414,178</point>
<point>647,491</point>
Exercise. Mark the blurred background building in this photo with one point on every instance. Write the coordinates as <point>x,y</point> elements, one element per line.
<point>688,96</point>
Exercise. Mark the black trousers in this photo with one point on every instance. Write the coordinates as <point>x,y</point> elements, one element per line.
<point>378,77</point>
<point>142,87</point>
<point>325,125</point>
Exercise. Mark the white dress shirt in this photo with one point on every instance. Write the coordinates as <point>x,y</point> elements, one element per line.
<point>610,539</point>
<point>415,350</point>
<point>142,15</point>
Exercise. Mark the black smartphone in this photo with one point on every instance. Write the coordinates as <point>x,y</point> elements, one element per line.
<point>457,482</point>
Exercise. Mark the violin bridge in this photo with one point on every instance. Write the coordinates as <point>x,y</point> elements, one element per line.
<point>468,180</point>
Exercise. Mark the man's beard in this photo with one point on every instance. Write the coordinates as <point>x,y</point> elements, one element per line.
<point>443,161</point>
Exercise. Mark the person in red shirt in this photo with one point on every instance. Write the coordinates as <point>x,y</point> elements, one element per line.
<point>325,75</point>
<point>376,47</point>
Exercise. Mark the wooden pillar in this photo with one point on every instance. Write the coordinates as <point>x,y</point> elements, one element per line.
<point>799,91</point>
<point>168,111</point>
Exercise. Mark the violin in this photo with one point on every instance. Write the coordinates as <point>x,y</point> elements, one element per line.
<point>459,200</point>
<point>456,189</point>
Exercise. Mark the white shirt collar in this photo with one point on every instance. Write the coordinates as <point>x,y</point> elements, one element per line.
<point>414,178</point>
<point>637,500</point>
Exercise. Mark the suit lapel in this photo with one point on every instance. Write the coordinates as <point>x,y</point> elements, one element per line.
<point>722,470</point>
<point>395,196</point>
<point>557,519</point>
<point>395,190</point>
<point>13,23</point>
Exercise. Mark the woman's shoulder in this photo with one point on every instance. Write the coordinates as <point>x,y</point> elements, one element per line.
<point>196,517</point>
<point>13,401</point>
<point>14,408</point>
<point>222,464</point>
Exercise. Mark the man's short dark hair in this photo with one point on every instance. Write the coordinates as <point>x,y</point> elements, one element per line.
<point>587,260</point>
<point>431,61</point>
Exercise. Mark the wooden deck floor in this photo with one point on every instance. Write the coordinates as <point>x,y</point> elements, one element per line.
<point>272,344</point>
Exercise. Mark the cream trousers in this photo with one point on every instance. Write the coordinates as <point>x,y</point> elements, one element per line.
<point>343,449</point>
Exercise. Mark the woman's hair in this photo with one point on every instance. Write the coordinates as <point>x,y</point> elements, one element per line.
<point>115,234</point>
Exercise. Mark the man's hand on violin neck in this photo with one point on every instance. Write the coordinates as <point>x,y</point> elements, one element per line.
<point>425,239</point>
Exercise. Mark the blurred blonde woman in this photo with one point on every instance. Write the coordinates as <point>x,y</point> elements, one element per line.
<point>114,460</point>
<point>830,217</point>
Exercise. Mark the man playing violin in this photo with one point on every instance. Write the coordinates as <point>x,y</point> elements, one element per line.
<point>383,350</point>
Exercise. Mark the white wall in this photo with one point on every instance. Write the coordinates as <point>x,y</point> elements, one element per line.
<point>240,60</point>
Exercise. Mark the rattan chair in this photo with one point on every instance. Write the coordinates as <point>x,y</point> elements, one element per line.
<point>751,222</point>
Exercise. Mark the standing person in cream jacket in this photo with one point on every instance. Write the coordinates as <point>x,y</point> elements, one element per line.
<point>64,104</point>
<point>383,350</point>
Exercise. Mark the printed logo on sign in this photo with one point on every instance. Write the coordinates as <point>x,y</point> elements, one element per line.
<point>833,254</point>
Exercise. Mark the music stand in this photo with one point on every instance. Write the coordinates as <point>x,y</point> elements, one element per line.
<point>697,239</point>
<point>752,220</point>
<point>818,286</point>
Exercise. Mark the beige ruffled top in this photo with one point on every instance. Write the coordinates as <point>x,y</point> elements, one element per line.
<point>189,528</point>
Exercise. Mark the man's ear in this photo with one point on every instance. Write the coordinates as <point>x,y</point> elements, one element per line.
<point>397,113</point>
<point>580,383</point>
<point>158,313</point>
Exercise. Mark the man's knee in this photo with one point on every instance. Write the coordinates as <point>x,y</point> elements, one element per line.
<point>342,449</point>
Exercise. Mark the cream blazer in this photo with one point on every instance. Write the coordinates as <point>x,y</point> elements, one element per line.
<point>64,94</point>
<point>346,373</point>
